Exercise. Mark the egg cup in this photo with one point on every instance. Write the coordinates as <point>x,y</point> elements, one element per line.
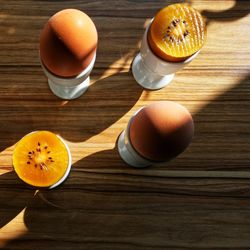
<point>69,88</point>
<point>66,174</point>
<point>150,71</point>
<point>128,153</point>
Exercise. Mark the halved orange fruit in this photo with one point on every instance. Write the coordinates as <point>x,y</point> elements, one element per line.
<point>177,32</point>
<point>41,159</point>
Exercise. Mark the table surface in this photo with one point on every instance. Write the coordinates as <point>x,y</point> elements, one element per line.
<point>199,200</point>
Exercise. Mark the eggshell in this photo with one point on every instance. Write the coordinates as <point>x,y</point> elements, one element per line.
<point>68,43</point>
<point>161,131</point>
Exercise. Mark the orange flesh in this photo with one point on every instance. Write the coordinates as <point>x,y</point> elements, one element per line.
<point>40,159</point>
<point>177,32</point>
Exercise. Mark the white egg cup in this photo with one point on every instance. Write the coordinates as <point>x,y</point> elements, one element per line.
<point>69,88</point>
<point>66,174</point>
<point>128,153</point>
<point>150,71</point>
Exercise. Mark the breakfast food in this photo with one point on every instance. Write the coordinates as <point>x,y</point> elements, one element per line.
<point>177,32</point>
<point>41,159</point>
<point>68,43</point>
<point>161,131</point>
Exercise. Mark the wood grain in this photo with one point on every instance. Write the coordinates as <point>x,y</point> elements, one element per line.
<point>105,204</point>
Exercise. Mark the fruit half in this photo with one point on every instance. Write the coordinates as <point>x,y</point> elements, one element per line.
<point>42,159</point>
<point>177,32</point>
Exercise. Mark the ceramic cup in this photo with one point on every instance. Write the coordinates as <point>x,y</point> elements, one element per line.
<point>150,71</point>
<point>127,152</point>
<point>69,88</point>
<point>68,167</point>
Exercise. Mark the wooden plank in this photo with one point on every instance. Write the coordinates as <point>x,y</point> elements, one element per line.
<point>105,204</point>
<point>107,211</point>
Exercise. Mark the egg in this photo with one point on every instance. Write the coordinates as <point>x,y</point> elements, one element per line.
<point>161,131</point>
<point>68,43</point>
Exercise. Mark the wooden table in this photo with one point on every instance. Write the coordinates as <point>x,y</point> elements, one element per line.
<point>201,200</point>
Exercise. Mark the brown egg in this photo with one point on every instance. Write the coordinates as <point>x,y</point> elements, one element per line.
<point>68,43</point>
<point>161,131</point>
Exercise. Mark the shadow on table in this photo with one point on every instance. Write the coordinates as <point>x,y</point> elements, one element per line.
<point>14,197</point>
<point>222,132</point>
<point>98,209</point>
<point>108,204</point>
<point>101,106</point>
<point>239,9</point>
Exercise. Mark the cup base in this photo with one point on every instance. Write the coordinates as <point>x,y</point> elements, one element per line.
<point>146,78</point>
<point>69,93</point>
<point>127,156</point>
